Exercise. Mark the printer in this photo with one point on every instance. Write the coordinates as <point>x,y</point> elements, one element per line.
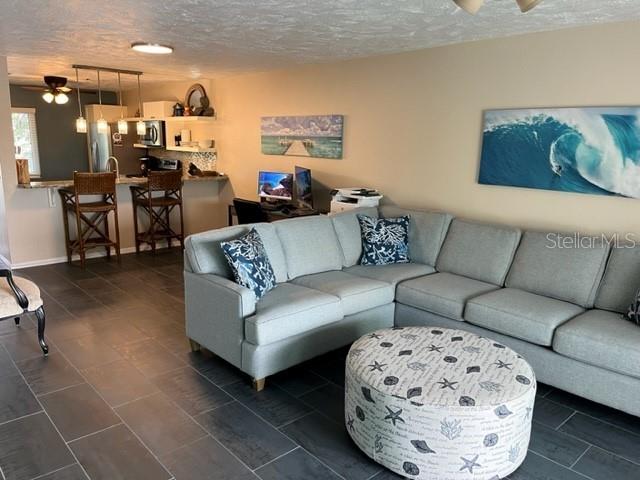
<point>355,197</point>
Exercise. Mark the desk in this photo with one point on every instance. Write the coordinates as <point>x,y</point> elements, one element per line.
<point>272,215</point>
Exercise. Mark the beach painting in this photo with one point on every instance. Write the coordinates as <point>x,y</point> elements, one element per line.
<point>317,136</point>
<point>583,150</point>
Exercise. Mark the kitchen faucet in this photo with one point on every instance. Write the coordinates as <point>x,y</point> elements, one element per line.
<point>115,162</point>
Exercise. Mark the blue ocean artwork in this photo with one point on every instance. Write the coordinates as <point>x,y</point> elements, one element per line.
<point>317,136</point>
<point>583,150</point>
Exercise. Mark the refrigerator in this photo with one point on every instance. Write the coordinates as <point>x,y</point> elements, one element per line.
<point>105,145</point>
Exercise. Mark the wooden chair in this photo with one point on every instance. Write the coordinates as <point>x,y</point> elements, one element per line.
<point>90,216</point>
<point>158,208</point>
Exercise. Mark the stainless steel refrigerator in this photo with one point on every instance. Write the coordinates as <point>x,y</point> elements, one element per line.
<point>104,145</point>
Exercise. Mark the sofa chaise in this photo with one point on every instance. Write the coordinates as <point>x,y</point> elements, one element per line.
<point>559,307</point>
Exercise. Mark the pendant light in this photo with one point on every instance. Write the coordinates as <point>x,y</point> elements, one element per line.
<point>81,122</point>
<point>141,128</point>
<point>123,127</point>
<point>103,127</point>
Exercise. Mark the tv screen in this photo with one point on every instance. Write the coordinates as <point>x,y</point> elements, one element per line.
<point>275,185</point>
<point>303,187</point>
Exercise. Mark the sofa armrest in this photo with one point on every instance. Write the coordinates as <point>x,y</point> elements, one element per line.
<point>215,311</point>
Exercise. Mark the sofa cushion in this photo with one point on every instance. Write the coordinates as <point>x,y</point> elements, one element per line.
<point>544,265</point>
<point>310,245</point>
<point>520,314</point>
<point>249,263</point>
<point>621,279</point>
<point>356,294</point>
<point>426,232</point>
<point>603,339</point>
<point>443,293</point>
<point>349,234</point>
<point>289,310</point>
<point>478,251</point>
<point>393,273</point>
<point>384,240</point>
<point>204,254</point>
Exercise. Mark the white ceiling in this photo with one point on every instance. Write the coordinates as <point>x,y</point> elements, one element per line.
<point>218,37</point>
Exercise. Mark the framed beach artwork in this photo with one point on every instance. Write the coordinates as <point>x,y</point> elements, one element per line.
<point>317,136</point>
<point>583,150</point>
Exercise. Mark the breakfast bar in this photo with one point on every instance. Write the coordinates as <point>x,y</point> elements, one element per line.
<point>40,206</point>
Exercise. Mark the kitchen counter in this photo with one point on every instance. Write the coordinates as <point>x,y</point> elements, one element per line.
<point>122,180</point>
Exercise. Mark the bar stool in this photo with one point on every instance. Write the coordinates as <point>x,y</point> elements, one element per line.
<point>90,216</point>
<point>158,208</point>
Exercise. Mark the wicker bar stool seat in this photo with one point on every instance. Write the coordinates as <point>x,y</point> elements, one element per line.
<point>156,200</point>
<point>91,216</point>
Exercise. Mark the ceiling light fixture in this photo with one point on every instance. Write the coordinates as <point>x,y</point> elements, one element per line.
<point>48,96</point>
<point>526,5</point>
<point>469,6</point>
<point>81,122</point>
<point>61,98</point>
<point>152,48</point>
<point>472,6</point>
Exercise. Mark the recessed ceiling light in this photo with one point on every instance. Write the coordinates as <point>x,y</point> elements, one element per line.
<point>153,48</point>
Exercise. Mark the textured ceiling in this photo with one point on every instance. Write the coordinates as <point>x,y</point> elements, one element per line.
<point>218,37</point>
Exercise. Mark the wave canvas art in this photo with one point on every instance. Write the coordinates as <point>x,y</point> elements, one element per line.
<point>583,150</point>
<point>305,136</point>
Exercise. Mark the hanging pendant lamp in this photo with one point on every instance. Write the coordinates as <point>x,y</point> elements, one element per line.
<point>123,127</point>
<point>81,122</point>
<point>141,128</point>
<point>103,127</point>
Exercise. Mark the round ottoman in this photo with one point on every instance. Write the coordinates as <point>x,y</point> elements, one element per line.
<point>439,404</point>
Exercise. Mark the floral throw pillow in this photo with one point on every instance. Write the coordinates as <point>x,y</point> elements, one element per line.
<point>633,314</point>
<point>384,240</point>
<point>249,262</point>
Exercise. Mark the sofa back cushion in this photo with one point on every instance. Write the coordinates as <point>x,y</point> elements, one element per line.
<point>545,264</point>
<point>348,230</point>
<point>204,254</point>
<point>479,251</point>
<point>310,245</point>
<point>427,231</point>
<point>621,279</point>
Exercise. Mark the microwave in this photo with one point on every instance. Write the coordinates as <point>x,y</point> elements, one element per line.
<point>154,134</point>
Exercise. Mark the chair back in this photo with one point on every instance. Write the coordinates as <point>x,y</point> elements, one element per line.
<point>103,183</point>
<point>249,211</point>
<point>166,181</point>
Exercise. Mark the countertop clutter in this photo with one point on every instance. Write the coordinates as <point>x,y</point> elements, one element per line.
<point>122,180</point>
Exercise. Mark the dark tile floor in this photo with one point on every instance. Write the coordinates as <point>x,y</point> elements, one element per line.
<point>121,397</point>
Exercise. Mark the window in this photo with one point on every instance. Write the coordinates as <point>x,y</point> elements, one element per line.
<point>25,137</point>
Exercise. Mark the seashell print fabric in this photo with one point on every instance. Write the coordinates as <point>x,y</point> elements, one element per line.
<point>458,406</point>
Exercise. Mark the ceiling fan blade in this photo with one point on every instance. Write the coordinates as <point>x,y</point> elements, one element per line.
<point>64,89</point>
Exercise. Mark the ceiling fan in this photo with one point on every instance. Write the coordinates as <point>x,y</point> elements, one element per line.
<point>472,6</point>
<point>56,91</point>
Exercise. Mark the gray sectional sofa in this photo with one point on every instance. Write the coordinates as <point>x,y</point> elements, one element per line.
<point>558,307</point>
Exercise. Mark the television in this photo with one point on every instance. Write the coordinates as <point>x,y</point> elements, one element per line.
<point>275,185</point>
<point>303,187</point>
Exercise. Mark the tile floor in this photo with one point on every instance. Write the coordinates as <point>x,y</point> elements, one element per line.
<point>121,397</point>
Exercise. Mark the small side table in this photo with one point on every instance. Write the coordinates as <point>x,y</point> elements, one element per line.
<point>19,296</point>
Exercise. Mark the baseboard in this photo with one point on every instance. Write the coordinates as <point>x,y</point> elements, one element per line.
<point>51,261</point>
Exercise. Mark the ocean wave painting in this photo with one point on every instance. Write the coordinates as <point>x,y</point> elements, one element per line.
<point>583,150</point>
<point>317,136</point>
